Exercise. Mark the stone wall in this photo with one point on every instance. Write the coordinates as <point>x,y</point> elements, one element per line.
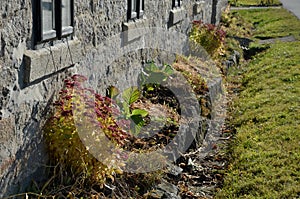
<point>221,6</point>
<point>30,79</point>
<point>22,109</point>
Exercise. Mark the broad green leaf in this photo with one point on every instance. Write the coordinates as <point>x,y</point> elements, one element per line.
<point>157,77</point>
<point>112,92</point>
<point>137,123</point>
<point>141,112</point>
<point>137,129</point>
<point>138,120</point>
<point>151,68</point>
<point>142,78</point>
<point>150,88</point>
<point>131,95</point>
<point>126,109</point>
<point>168,70</point>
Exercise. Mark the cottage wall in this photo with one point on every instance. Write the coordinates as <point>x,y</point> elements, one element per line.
<point>31,76</point>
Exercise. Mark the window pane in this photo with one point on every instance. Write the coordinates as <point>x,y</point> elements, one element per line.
<point>133,5</point>
<point>133,12</point>
<point>141,8</point>
<point>48,15</point>
<point>141,4</point>
<point>66,13</point>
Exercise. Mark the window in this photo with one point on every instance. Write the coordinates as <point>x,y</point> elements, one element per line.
<point>53,19</point>
<point>67,17</point>
<point>135,9</point>
<point>176,3</point>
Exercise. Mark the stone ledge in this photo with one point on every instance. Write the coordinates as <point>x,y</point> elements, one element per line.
<point>199,7</point>
<point>177,15</point>
<point>43,62</point>
<point>131,31</point>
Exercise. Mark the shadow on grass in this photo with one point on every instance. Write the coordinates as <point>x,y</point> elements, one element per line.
<point>250,52</point>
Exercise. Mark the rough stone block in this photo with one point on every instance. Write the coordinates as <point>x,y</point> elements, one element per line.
<point>177,15</point>
<point>134,29</point>
<point>6,129</point>
<point>6,139</point>
<point>43,62</point>
<point>170,190</point>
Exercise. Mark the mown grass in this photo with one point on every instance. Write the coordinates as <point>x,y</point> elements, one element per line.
<point>266,151</point>
<point>255,2</point>
<point>271,23</point>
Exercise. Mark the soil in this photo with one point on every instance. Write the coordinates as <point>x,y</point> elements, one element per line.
<point>203,168</point>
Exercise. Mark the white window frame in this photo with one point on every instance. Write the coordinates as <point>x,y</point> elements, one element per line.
<point>135,9</point>
<point>176,3</point>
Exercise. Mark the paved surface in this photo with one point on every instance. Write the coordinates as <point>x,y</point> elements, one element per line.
<point>283,39</point>
<point>293,6</point>
<point>254,7</point>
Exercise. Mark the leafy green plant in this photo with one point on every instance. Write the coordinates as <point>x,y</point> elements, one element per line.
<point>153,76</point>
<point>130,96</point>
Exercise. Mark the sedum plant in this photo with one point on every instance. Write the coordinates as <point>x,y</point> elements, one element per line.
<point>64,143</point>
<point>209,36</point>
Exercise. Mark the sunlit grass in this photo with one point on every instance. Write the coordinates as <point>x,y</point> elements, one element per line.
<point>266,151</point>
<point>271,23</point>
<point>254,2</point>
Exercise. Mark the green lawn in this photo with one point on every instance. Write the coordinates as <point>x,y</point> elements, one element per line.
<point>266,150</point>
<point>254,2</point>
<point>270,23</point>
